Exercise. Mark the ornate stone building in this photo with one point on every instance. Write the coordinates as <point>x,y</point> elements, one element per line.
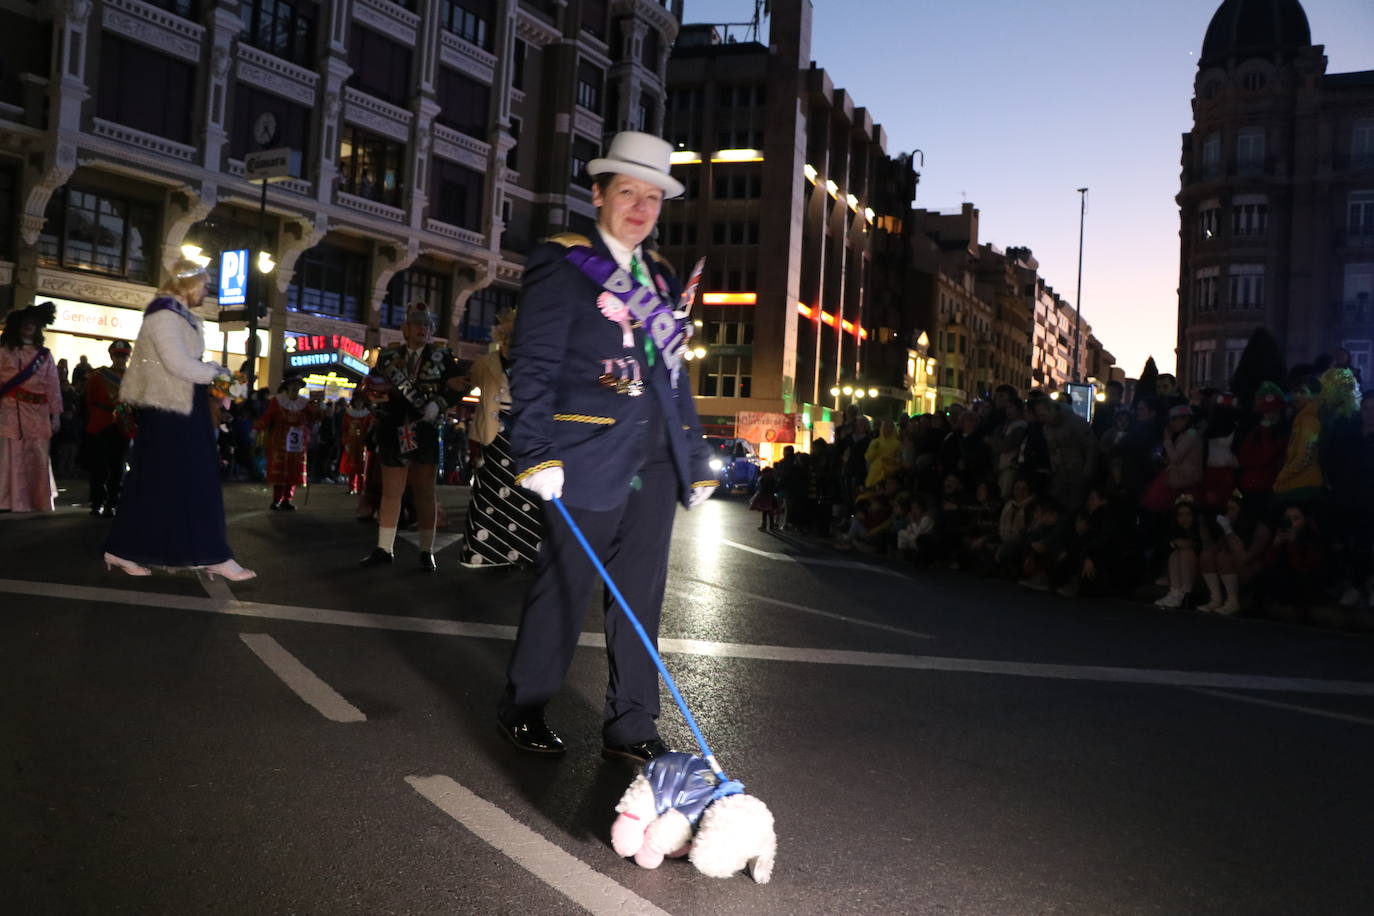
<point>1277,201</point>
<point>436,140</point>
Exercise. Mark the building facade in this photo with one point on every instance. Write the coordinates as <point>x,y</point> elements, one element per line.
<point>789,189</point>
<point>433,141</point>
<point>1277,200</point>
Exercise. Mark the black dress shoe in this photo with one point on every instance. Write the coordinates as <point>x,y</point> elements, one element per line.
<point>276,504</point>
<point>108,512</point>
<point>534,736</point>
<point>378,557</point>
<point>288,506</point>
<point>639,752</point>
<point>427,562</point>
<point>95,510</point>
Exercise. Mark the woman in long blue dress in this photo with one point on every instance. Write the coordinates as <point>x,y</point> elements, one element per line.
<point>172,510</point>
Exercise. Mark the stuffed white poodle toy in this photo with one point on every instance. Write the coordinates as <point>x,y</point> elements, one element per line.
<point>678,794</point>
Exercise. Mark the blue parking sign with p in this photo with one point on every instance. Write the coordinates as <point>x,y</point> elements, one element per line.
<point>233,277</point>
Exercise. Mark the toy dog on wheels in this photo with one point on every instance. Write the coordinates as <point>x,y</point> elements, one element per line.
<point>678,807</point>
<point>682,804</point>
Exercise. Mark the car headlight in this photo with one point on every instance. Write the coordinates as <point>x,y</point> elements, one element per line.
<point>716,464</point>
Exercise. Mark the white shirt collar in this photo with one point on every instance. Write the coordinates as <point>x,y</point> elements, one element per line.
<point>621,254</point>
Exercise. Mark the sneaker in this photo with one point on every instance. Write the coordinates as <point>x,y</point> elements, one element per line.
<point>1173,599</point>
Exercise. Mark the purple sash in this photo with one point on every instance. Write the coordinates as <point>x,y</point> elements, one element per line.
<point>660,325</point>
<point>26,373</point>
<point>168,304</point>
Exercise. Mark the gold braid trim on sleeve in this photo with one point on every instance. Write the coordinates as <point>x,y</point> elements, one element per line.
<point>706,483</point>
<point>583,418</point>
<point>538,467</point>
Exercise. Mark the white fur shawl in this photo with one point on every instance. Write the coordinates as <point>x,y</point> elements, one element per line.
<point>166,364</point>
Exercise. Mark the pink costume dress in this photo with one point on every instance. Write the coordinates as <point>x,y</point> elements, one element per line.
<point>26,417</point>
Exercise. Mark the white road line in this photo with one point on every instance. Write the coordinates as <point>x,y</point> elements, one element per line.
<point>561,871</point>
<point>302,680</point>
<point>830,615</point>
<point>441,541</point>
<point>814,561</point>
<point>1294,707</point>
<point>214,587</point>
<point>1102,673</point>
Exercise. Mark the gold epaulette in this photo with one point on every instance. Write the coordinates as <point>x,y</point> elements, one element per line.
<point>570,240</point>
<point>653,253</point>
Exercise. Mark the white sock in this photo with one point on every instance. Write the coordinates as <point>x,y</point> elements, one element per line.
<point>427,540</point>
<point>386,539</point>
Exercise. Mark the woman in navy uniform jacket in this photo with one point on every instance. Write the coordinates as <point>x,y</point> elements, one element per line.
<point>602,416</point>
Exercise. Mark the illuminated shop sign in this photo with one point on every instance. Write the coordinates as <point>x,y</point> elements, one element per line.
<point>319,351</point>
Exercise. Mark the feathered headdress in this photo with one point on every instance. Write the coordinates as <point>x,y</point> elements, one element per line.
<point>40,315</point>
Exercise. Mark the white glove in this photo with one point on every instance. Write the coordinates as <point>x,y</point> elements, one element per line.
<point>546,483</point>
<point>1224,524</point>
<point>699,496</point>
<point>56,424</point>
<point>431,412</point>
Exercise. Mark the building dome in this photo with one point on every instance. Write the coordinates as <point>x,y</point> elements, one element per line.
<point>1254,28</point>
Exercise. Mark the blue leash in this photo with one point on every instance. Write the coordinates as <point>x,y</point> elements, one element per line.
<point>648,644</point>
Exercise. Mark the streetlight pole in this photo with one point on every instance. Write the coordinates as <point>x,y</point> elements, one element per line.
<point>260,300</point>
<point>1078,299</point>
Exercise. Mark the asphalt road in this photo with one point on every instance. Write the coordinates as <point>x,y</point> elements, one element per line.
<point>322,740</point>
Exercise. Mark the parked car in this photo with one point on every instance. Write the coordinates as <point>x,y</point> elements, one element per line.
<point>735,463</point>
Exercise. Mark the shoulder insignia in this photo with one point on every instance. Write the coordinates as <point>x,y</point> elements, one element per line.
<point>570,240</point>
<point>654,253</point>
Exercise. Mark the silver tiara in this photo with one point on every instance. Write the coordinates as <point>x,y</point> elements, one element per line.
<point>190,272</point>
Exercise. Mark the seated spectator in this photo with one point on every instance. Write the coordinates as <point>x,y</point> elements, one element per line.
<point>915,539</point>
<point>980,521</point>
<point>1102,557</point>
<point>1045,543</point>
<point>871,521</point>
<point>1012,522</point>
<point>1301,480</point>
<point>883,454</point>
<point>1184,545</point>
<point>1234,556</point>
<point>1295,563</point>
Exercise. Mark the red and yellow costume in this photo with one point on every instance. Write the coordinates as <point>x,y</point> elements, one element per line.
<point>357,422</point>
<point>286,423</point>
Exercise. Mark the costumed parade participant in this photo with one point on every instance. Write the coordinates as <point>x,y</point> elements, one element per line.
<point>286,424</point>
<point>357,422</point>
<point>602,417</point>
<point>504,522</point>
<point>171,512</point>
<point>422,381</point>
<point>30,411</point>
<point>108,428</point>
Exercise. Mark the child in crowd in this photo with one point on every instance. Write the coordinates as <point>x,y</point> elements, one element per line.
<point>1184,545</point>
<point>1295,563</point>
<point>914,538</point>
<point>1235,554</point>
<point>1045,542</point>
<point>766,499</point>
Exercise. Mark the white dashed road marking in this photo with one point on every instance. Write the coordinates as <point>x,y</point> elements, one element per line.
<point>302,680</point>
<point>215,587</point>
<point>563,872</point>
<point>1291,707</point>
<point>814,561</point>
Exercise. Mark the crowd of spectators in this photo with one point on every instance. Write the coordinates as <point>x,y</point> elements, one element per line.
<point>1191,501</point>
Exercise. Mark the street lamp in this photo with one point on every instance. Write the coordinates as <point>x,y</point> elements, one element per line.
<point>1078,300</point>
<point>848,390</point>
<point>835,391</point>
<point>873,392</point>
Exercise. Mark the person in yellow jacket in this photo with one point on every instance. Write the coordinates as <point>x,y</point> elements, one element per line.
<point>884,455</point>
<point>1300,479</point>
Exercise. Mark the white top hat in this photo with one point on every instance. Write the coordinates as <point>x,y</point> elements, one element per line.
<point>641,156</point>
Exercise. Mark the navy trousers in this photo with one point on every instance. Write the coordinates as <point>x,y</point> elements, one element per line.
<point>632,541</point>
